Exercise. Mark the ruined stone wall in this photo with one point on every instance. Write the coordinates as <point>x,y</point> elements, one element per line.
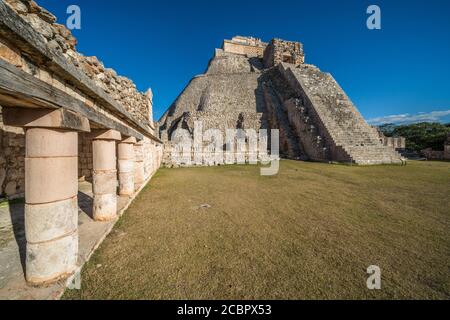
<point>431,154</point>
<point>396,143</point>
<point>152,157</point>
<point>59,38</point>
<point>447,148</point>
<point>224,62</point>
<point>85,160</point>
<point>447,152</point>
<point>279,51</point>
<point>12,161</point>
<point>247,46</point>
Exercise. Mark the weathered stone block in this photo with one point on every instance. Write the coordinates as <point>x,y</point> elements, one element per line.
<point>46,222</point>
<point>104,154</point>
<point>126,166</point>
<point>105,207</point>
<point>126,184</point>
<point>10,55</point>
<point>51,143</point>
<point>45,118</point>
<point>50,179</point>
<point>126,151</point>
<point>11,188</point>
<point>49,261</point>
<point>104,183</point>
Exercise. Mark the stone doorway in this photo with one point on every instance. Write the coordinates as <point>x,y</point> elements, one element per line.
<point>287,58</point>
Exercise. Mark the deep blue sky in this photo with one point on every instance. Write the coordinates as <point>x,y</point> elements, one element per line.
<point>402,69</point>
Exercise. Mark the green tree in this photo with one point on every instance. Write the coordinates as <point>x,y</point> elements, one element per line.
<point>420,136</point>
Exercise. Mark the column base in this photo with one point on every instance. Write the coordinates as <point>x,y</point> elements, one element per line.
<point>105,207</point>
<point>51,261</point>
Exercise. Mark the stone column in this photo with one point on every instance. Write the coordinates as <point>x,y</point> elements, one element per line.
<point>104,184</point>
<point>51,189</point>
<point>139,175</point>
<point>126,166</point>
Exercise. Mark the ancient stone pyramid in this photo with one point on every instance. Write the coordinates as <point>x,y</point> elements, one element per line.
<point>252,84</point>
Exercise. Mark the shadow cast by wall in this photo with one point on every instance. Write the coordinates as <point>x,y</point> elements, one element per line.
<point>85,204</point>
<point>17,213</point>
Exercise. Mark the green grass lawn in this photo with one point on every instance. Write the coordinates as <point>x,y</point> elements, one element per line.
<point>308,233</point>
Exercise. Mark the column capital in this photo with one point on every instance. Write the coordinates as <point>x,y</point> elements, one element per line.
<point>139,143</point>
<point>129,140</point>
<point>105,134</point>
<point>45,118</point>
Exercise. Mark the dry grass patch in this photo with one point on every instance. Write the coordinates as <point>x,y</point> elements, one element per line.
<point>309,232</point>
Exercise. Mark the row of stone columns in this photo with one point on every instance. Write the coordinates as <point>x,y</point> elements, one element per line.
<point>139,174</point>
<point>51,183</point>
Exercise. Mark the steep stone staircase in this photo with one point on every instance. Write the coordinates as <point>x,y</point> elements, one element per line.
<point>278,119</point>
<point>311,139</point>
<point>346,130</point>
<point>301,120</point>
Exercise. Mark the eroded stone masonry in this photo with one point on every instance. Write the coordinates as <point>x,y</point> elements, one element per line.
<point>250,84</point>
<point>64,117</point>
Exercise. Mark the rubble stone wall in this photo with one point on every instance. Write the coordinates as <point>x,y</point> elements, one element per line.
<point>225,62</point>
<point>59,38</point>
<point>431,154</point>
<point>248,46</point>
<point>279,51</point>
<point>153,154</point>
<point>12,161</point>
<point>447,152</point>
<point>85,160</point>
<point>396,143</point>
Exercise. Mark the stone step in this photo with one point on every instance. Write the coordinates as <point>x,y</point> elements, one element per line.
<point>343,122</point>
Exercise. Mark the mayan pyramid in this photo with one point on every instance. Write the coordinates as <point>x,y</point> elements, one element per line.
<point>258,85</point>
